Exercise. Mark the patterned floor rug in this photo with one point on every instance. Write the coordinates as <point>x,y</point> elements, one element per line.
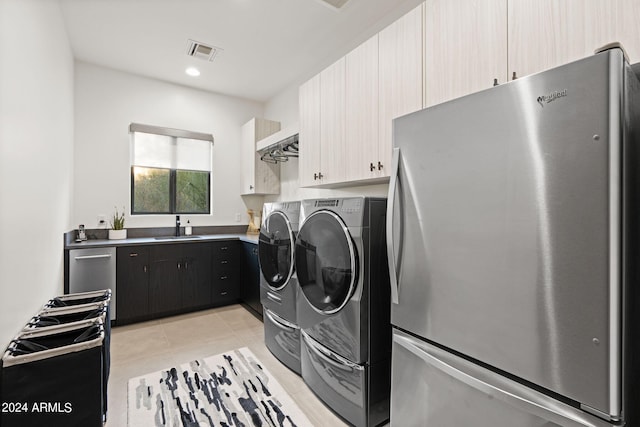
<point>229,389</point>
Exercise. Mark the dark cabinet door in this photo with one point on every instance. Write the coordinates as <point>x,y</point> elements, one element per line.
<point>195,275</point>
<point>225,268</point>
<point>164,281</point>
<point>250,288</point>
<point>132,283</point>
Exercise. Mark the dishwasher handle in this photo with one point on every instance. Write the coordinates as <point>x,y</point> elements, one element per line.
<point>79,258</point>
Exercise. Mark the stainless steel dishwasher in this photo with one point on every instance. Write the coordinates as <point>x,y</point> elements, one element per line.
<point>93,269</point>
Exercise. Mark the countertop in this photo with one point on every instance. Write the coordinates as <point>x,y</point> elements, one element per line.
<point>102,243</point>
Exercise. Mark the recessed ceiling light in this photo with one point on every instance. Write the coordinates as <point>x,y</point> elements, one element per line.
<point>192,71</point>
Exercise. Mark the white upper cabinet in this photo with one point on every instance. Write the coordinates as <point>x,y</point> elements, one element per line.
<point>309,137</point>
<point>441,50</point>
<point>258,177</point>
<point>322,153</point>
<point>465,47</point>
<point>346,111</point>
<point>400,76</point>
<point>363,150</point>
<point>546,34</point>
<point>332,124</point>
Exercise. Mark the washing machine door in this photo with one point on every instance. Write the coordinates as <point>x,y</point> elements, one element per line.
<point>275,250</point>
<point>325,262</point>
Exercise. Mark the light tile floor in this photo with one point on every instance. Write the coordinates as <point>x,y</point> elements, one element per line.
<point>147,347</point>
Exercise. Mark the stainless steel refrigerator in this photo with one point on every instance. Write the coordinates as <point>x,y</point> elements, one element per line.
<point>512,237</point>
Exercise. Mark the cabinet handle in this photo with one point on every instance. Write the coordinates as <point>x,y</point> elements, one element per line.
<point>186,265</point>
<point>224,262</point>
<point>371,167</point>
<point>144,268</point>
<point>379,166</point>
<point>251,187</point>
<point>133,254</point>
<point>178,266</point>
<point>315,176</point>
<point>223,248</point>
<point>320,176</point>
<point>223,277</point>
<point>495,82</point>
<point>255,251</point>
<point>514,76</point>
<point>223,293</point>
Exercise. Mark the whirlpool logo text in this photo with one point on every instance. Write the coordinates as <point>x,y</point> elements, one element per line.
<point>545,99</point>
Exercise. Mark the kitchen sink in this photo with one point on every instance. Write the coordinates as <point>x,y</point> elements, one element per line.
<point>177,237</point>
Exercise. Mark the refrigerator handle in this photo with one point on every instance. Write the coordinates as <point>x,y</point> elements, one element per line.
<point>391,253</point>
<point>497,386</point>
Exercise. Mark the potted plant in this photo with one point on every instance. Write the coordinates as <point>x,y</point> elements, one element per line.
<point>117,226</point>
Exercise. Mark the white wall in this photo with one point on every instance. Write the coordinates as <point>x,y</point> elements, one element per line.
<point>107,101</point>
<point>36,151</point>
<point>284,108</point>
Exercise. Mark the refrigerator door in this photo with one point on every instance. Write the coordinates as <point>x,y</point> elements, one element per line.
<point>454,392</point>
<point>505,228</point>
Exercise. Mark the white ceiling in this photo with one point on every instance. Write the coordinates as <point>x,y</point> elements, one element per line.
<point>268,44</point>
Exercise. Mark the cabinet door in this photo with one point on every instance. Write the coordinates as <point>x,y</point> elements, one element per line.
<point>362,151</point>
<point>165,295</point>
<point>258,177</point>
<point>225,268</point>
<point>332,123</point>
<point>309,136</point>
<point>546,34</point>
<point>465,47</point>
<point>627,27</point>
<point>247,158</point>
<point>267,175</point>
<point>250,288</point>
<point>132,283</point>
<point>195,280</point>
<point>401,91</point>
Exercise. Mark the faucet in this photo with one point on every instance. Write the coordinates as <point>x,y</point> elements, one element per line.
<point>177,225</point>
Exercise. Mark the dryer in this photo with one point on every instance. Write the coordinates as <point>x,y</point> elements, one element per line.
<point>343,306</point>
<point>278,283</point>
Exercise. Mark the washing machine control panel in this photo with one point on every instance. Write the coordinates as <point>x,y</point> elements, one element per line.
<point>351,205</point>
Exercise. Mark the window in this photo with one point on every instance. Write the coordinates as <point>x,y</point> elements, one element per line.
<point>170,171</point>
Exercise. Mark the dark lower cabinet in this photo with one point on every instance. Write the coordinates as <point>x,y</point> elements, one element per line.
<point>250,288</point>
<point>225,269</point>
<point>159,280</point>
<point>195,275</point>
<point>132,281</point>
<point>165,295</point>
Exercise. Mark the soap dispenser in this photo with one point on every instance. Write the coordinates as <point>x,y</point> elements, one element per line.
<point>187,229</point>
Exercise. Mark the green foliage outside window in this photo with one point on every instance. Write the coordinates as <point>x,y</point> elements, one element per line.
<point>192,191</point>
<point>169,191</point>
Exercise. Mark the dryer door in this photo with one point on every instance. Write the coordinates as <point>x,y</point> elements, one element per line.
<point>325,262</point>
<point>275,250</point>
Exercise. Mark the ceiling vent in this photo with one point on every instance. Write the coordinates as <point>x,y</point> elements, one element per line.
<point>202,51</point>
<point>335,4</point>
